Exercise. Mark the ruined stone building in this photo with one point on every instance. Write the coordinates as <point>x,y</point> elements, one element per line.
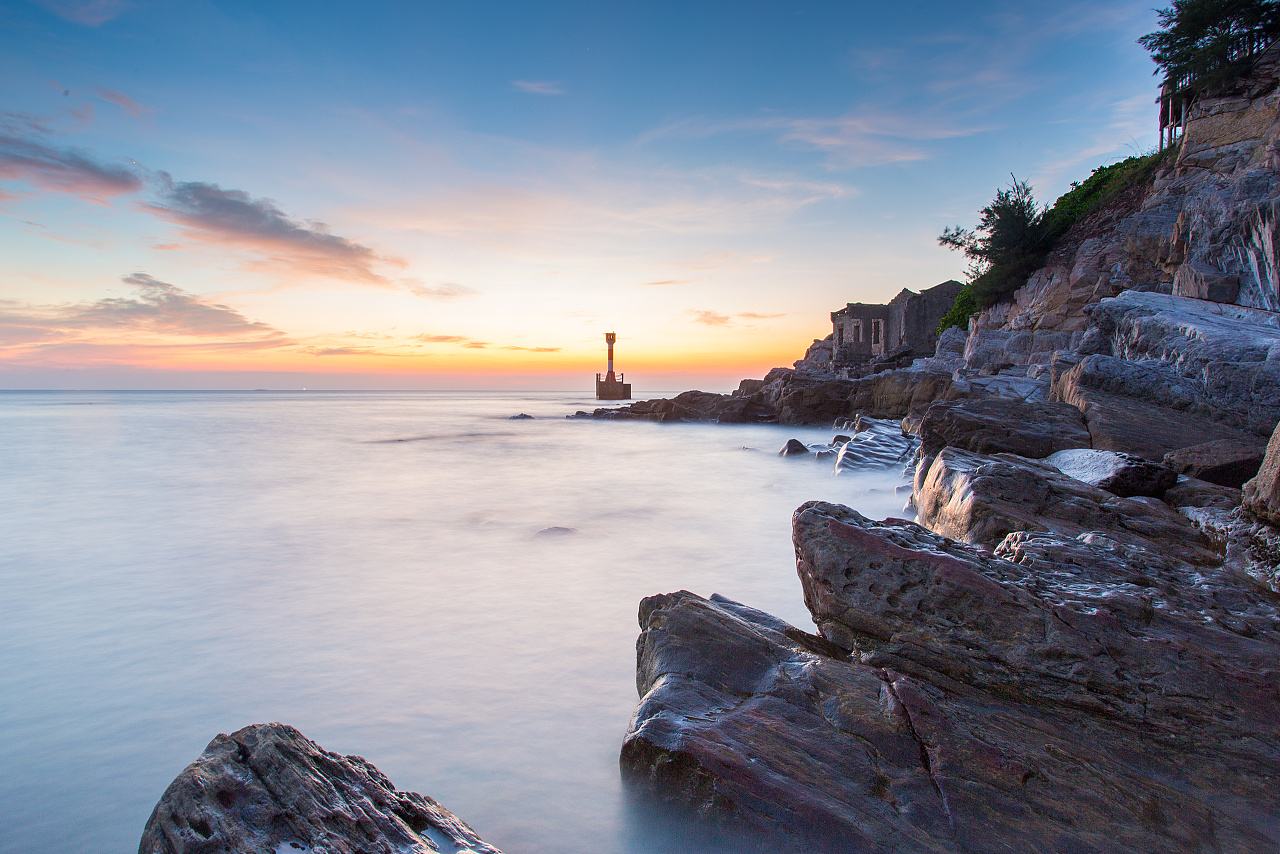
<point>908,322</point>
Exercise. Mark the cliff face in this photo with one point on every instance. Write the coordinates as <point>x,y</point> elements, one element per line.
<point>1206,227</point>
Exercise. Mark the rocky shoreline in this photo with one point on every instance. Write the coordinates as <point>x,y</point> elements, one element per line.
<point>1075,645</point>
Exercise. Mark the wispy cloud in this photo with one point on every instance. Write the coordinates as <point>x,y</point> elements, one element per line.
<point>156,313</point>
<point>90,13</point>
<point>854,139</point>
<point>538,87</point>
<point>1128,131</point>
<point>210,214</point>
<point>711,318</point>
<point>663,283</point>
<point>441,339</point>
<point>715,318</point>
<point>532,349</point>
<point>124,102</point>
<point>444,290</point>
<point>29,159</point>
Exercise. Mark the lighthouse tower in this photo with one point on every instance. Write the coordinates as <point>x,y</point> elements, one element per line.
<point>611,385</point>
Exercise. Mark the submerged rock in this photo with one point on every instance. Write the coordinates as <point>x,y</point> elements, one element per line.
<point>794,448</point>
<point>960,701</point>
<point>268,788</point>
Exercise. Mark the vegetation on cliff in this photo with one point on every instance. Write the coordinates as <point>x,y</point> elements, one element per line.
<point>1201,45</point>
<point>1015,234</point>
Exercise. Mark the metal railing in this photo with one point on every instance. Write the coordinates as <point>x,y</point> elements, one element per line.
<point>1178,93</point>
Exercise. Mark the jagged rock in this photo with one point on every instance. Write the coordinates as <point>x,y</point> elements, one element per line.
<point>1218,361</point>
<point>1229,462</point>
<point>1116,472</point>
<point>794,448</point>
<point>1200,280</point>
<point>268,788</point>
<point>1252,544</point>
<point>523,416</point>
<point>817,359</point>
<point>1136,407</point>
<point>980,499</point>
<point>950,346</point>
<point>989,425</point>
<point>962,702</point>
<point>1262,494</point>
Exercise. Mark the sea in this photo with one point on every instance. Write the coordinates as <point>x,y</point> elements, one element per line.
<point>414,577</point>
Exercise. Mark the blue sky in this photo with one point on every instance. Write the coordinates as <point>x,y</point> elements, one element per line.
<point>434,195</point>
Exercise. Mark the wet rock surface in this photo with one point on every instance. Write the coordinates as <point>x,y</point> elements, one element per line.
<point>1118,473</point>
<point>268,788</point>
<point>957,700</point>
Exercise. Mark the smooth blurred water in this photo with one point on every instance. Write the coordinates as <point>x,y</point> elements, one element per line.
<point>367,567</point>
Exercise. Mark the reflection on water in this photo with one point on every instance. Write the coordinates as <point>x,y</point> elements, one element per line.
<point>367,567</point>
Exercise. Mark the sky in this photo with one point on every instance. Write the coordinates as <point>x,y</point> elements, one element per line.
<point>467,195</point>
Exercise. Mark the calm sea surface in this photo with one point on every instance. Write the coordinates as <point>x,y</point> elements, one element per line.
<point>367,567</point>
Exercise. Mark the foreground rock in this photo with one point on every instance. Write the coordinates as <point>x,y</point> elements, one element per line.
<point>960,701</point>
<point>268,788</point>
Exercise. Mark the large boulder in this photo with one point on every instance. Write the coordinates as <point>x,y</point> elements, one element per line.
<point>268,788</point>
<point>1118,473</point>
<point>1228,462</point>
<point>957,701</point>
<point>1140,407</point>
<point>1262,494</point>
<point>1002,424</point>
<point>981,499</point>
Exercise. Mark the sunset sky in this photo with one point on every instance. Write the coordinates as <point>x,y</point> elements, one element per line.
<point>467,195</point>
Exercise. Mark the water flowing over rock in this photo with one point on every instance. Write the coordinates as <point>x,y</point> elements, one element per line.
<point>268,788</point>
<point>875,444</point>
<point>960,701</point>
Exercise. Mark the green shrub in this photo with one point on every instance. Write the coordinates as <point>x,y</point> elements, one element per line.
<point>1014,235</point>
